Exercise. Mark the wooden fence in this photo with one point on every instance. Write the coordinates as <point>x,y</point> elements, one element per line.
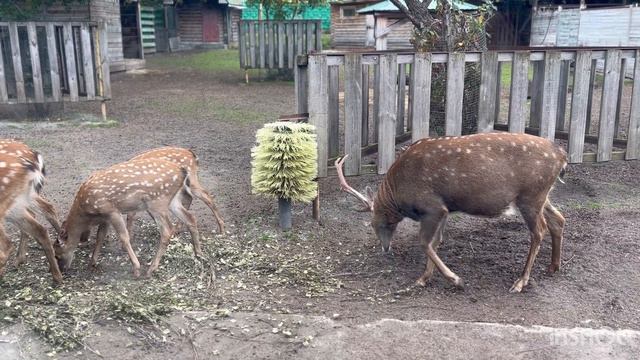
<point>275,44</point>
<point>346,111</point>
<point>53,61</point>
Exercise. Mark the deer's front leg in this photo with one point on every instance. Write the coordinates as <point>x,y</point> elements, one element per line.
<point>429,225</point>
<point>121,229</point>
<point>431,266</point>
<point>103,230</point>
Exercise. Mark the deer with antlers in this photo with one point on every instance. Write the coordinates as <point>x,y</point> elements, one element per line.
<point>20,180</point>
<point>481,174</point>
<point>153,185</point>
<point>40,204</point>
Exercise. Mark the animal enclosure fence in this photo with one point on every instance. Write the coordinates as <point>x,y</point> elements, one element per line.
<point>53,61</point>
<point>275,44</point>
<point>366,102</point>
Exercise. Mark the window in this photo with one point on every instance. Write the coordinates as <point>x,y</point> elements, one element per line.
<point>348,11</point>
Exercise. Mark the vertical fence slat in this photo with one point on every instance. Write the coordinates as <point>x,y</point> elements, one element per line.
<point>550,95</point>
<point>318,107</point>
<point>498,86</point>
<point>402,81</point>
<point>310,32</point>
<point>299,36</point>
<point>421,93</point>
<point>243,43</point>
<point>271,45</point>
<point>353,90</point>
<point>104,60</point>
<point>410,100</point>
<point>608,104</point>
<point>281,43</point>
<point>488,90</point>
<point>592,81</point>
<point>71,61</point>
<point>519,89</point>
<point>455,93</point>
<point>17,62</point>
<point>537,86</point>
<point>633,139</point>
<point>4,95</point>
<point>290,42</point>
<point>365,105</point>
<point>334,111</point>
<point>53,62</point>
<point>616,130</point>
<point>562,95</point>
<point>87,60</point>
<point>300,74</point>
<point>387,75</point>
<point>319,35</point>
<point>36,73</point>
<point>579,102</point>
<point>261,45</point>
<point>376,97</point>
<point>252,45</point>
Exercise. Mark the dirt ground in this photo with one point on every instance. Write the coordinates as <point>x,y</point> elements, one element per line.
<point>353,282</point>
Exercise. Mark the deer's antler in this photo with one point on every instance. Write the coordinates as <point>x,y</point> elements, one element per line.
<point>345,187</point>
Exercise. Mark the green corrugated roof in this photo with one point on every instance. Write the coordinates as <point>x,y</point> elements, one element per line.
<point>388,6</point>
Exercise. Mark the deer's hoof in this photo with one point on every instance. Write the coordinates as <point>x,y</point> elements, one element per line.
<point>553,268</point>
<point>19,261</point>
<point>421,282</point>
<point>57,279</point>
<point>518,285</point>
<point>458,283</point>
<point>136,273</point>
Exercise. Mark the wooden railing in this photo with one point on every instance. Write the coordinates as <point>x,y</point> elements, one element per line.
<point>400,113</point>
<point>275,44</point>
<point>51,61</point>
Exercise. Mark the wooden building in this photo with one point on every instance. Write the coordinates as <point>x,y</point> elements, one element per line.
<point>348,27</point>
<point>211,24</point>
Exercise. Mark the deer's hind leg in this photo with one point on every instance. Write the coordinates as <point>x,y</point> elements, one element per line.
<point>533,216</point>
<point>555,224</point>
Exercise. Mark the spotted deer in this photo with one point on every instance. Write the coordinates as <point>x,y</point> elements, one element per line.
<point>481,174</point>
<point>153,185</point>
<point>17,149</point>
<point>20,180</point>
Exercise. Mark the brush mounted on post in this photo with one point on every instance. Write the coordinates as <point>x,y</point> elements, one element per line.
<point>284,165</point>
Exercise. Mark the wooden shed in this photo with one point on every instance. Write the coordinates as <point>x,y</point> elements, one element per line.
<point>348,27</point>
<point>211,24</point>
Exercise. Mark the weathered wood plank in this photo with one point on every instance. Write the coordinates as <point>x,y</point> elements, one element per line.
<point>299,36</point>
<point>498,86</point>
<point>365,103</point>
<point>4,95</point>
<point>633,138</point>
<point>242,33</point>
<point>421,93</point>
<point>563,87</point>
<point>252,45</point>
<point>402,81</point>
<point>623,66</point>
<point>488,92</point>
<point>608,105</point>
<point>550,95</point>
<point>17,62</point>
<point>519,89</point>
<point>455,94</point>
<point>300,74</point>
<point>105,73</point>
<point>537,86</point>
<point>579,102</point>
<point>70,57</point>
<point>334,111</point>
<point>261,44</point>
<point>36,72</point>
<point>281,43</point>
<point>353,90</point>
<point>387,112</point>
<point>271,45</point>
<point>310,32</point>
<point>592,82</point>
<point>87,61</point>
<point>318,29</point>
<point>290,48</point>
<point>319,107</point>
<point>409,104</point>
<point>376,99</point>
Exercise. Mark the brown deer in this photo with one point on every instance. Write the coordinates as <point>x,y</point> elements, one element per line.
<point>481,174</point>
<point>153,185</point>
<point>189,160</point>
<point>17,149</point>
<point>19,180</point>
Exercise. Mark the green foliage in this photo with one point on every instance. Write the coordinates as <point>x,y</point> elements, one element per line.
<point>285,161</point>
<point>284,9</point>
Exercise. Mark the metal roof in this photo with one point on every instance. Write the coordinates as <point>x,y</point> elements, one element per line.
<point>388,6</point>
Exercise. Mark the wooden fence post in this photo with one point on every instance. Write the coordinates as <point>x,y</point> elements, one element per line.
<point>334,111</point>
<point>53,62</point>
<point>87,61</point>
<point>579,102</point>
<point>365,105</point>
<point>519,89</point>
<point>242,37</point>
<point>387,112</point>
<point>550,95</point>
<point>488,91</point>
<point>455,94</point>
<point>319,107</point>
<point>421,93</point>
<point>300,74</point>
<point>563,87</point>
<point>592,82</point>
<point>36,73</point>
<point>633,140</point>
<point>608,105</point>
<point>402,90</point>
<point>17,62</point>
<point>537,87</point>
<point>353,112</point>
